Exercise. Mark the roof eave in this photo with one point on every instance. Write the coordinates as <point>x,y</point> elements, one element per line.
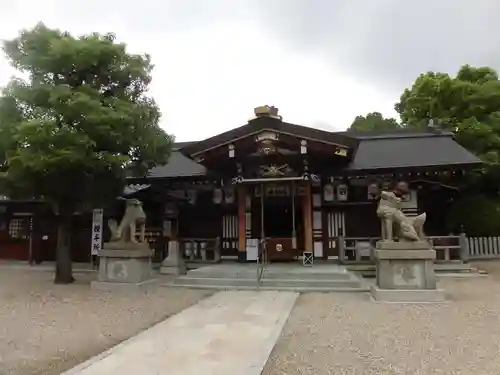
<point>471,165</point>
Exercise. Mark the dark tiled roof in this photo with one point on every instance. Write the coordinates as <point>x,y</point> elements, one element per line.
<point>404,148</point>
<point>178,145</point>
<point>259,124</point>
<point>410,150</point>
<point>178,166</point>
<point>396,133</point>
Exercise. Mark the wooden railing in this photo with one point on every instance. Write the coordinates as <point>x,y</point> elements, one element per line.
<point>200,250</point>
<point>449,248</point>
<point>362,249</point>
<point>356,249</point>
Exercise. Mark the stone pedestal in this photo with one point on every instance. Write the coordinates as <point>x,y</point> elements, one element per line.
<point>405,273</point>
<point>127,267</point>
<point>173,264</point>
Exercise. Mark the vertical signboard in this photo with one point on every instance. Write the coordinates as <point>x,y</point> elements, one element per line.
<point>96,231</point>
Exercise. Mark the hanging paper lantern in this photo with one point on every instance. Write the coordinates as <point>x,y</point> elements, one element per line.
<point>191,196</point>
<point>229,196</point>
<point>217,199</point>
<point>248,202</point>
<point>328,193</point>
<point>342,192</point>
<point>373,191</point>
<point>171,210</point>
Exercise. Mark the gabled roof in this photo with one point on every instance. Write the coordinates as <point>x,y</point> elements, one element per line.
<point>261,124</point>
<point>178,166</point>
<point>178,145</point>
<point>371,151</point>
<point>409,149</point>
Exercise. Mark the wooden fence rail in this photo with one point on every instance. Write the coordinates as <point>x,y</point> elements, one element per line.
<point>448,248</point>
<point>459,248</point>
<point>200,250</point>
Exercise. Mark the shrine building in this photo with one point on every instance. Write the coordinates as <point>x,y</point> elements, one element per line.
<point>299,187</point>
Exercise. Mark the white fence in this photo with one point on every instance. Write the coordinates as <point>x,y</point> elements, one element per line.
<point>483,247</point>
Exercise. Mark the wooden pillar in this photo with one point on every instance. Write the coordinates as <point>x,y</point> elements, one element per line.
<point>307,213</point>
<point>242,242</point>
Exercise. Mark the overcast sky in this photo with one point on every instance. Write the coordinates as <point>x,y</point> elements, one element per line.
<point>321,62</point>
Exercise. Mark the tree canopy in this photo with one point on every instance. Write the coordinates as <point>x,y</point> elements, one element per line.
<point>467,104</point>
<point>476,214</point>
<point>373,121</point>
<point>79,123</point>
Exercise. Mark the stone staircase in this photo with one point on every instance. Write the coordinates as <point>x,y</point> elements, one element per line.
<point>285,277</point>
<point>450,269</point>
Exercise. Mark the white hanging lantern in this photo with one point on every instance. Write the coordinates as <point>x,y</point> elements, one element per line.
<point>342,192</point>
<point>373,191</point>
<point>217,199</point>
<point>248,202</point>
<point>328,193</point>
<point>229,195</point>
<point>191,196</point>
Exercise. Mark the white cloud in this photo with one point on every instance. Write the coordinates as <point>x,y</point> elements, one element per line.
<point>211,73</point>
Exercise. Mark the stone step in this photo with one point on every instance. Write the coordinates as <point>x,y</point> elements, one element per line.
<point>298,289</point>
<point>459,275</point>
<point>352,283</point>
<point>453,267</point>
<point>252,274</point>
<point>368,270</point>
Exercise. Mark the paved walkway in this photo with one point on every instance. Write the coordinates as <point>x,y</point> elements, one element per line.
<point>228,333</point>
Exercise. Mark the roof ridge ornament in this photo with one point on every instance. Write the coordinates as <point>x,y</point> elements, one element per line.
<point>266,111</point>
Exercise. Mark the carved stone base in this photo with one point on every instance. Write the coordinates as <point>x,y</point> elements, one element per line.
<point>124,267</point>
<point>405,267</point>
<point>173,264</point>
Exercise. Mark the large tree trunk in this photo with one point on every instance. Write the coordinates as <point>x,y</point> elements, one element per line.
<point>64,268</point>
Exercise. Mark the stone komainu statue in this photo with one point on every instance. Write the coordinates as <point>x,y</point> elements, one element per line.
<point>391,216</point>
<point>134,217</point>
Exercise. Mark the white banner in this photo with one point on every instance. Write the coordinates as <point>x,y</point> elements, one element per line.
<point>96,231</point>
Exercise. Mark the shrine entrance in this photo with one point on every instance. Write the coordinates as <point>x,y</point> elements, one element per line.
<point>277,216</point>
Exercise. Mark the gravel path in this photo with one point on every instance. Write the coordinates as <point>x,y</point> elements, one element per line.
<point>47,328</point>
<point>349,334</point>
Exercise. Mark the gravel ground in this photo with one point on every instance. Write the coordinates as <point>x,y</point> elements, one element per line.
<point>47,329</point>
<point>350,334</point>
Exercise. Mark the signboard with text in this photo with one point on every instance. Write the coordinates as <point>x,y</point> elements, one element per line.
<point>96,242</point>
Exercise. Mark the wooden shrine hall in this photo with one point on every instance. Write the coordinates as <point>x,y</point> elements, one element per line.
<point>298,187</point>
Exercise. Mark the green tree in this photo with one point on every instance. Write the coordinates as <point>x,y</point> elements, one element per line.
<point>373,121</point>
<point>477,214</point>
<point>78,125</point>
<point>468,105</point>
